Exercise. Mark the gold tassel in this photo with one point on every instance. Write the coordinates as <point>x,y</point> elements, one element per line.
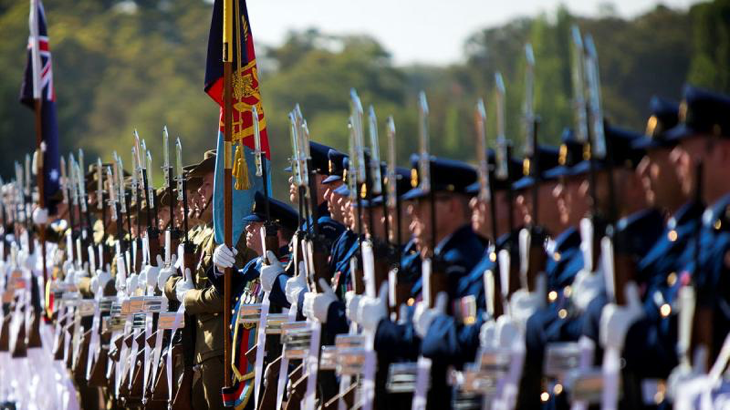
<point>240,170</point>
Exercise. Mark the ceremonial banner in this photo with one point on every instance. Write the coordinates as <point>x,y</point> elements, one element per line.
<point>38,84</point>
<point>246,94</point>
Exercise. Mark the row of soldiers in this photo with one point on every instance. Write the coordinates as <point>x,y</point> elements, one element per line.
<point>586,274</point>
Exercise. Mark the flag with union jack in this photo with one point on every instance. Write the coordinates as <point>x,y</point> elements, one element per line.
<point>38,85</point>
<point>246,94</point>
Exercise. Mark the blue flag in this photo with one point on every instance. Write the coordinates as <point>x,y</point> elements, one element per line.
<point>42,87</point>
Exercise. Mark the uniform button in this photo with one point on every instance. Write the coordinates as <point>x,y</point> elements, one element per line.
<point>672,235</point>
<point>544,396</point>
<point>717,225</point>
<point>556,256</point>
<point>568,291</point>
<point>411,301</point>
<point>562,313</point>
<point>558,389</point>
<point>665,310</point>
<point>672,279</point>
<point>552,296</point>
<point>492,256</point>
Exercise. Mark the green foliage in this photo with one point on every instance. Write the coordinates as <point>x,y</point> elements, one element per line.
<point>121,65</point>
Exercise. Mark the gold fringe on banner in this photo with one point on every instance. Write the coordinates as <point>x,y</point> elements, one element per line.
<point>240,170</point>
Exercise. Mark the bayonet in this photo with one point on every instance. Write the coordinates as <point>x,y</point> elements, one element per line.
<point>424,161</point>
<point>480,121</point>
<point>594,92</point>
<point>393,204</point>
<point>502,170</point>
<point>578,80</point>
<point>99,185</point>
<point>179,166</point>
<point>166,169</point>
<point>258,154</point>
<point>376,187</point>
<point>529,108</point>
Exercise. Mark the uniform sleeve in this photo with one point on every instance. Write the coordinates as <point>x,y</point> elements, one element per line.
<point>336,319</point>
<point>448,341</point>
<point>278,294</point>
<point>85,287</point>
<point>396,342</point>
<point>206,300</point>
<point>170,287</point>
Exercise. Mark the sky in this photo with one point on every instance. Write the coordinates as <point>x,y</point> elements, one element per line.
<point>417,31</point>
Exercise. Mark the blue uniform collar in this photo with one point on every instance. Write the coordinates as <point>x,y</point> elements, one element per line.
<point>628,222</point>
<point>688,212</point>
<point>716,211</point>
<point>569,238</point>
<point>454,238</point>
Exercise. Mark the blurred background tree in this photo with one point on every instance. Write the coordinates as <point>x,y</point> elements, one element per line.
<point>121,65</point>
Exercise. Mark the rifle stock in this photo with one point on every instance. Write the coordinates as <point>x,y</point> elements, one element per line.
<point>5,333</point>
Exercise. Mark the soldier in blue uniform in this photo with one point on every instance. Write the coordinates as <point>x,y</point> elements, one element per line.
<point>328,227</point>
<point>703,137</point>
<point>457,250</point>
<point>286,220</point>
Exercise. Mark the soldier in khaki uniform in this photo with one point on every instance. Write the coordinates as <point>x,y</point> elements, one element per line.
<point>203,300</point>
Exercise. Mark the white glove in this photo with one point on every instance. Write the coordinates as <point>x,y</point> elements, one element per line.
<point>132,284</point>
<point>372,311</point>
<point>40,216</point>
<point>403,314</point>
<point>523,303</point>
<point>685,373</point>
<point>98,282</point>
<point>424,316</point>
<point>295,285</point>
<point>270,272</point>
<point>616,320</point>
<point>317,304</point>
<point>488,334</point>
<point>224,257</point>
<point>184,286</point>
<point>68,266</point>
<point>30,261</point>
<point>352,305</point>
<point>151,272</point>
<point>507,332</point>
<point>165,273</point>
<point>586,287</point>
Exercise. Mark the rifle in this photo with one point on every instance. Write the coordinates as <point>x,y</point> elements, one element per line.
<point>182,397</point>
<point>434,278</point>
<point>495,304</point>
<point>270,242</point>
<point>509,272</point>
<point>399,290</point>
<point>534,257</point>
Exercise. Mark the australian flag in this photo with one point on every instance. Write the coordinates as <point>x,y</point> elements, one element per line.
<point>38,84</point>
<point>246,94</point>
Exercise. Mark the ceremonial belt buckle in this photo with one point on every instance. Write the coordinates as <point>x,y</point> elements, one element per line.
<point>166,320</point>
<point>155,304</point>
<point>585,385</point>
<point>139,320</point>
<point>274,323</point>
<point>483,376</point>
<point>105,304</point>
<point>70,299</point>
<point>86,307</point>
<point>402,377</point>
<point>249,313</point>
<point>328,358</point>
<point>561,358</point>
<point>296,336</point>
<point>136,304</point>
<point>350,354</point>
